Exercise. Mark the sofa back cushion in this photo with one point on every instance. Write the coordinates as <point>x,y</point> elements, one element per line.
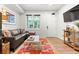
<point>22,31</point>
<point>15,32</point>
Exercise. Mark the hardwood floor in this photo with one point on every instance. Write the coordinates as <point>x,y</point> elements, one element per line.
<point>60,48</point>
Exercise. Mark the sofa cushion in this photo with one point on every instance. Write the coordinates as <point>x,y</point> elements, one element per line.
<point>19,31</point>
<point>15,32</point>
<point>22,31</point>
<point>19,36</point>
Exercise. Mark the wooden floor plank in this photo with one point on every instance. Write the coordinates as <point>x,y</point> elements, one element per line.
<point>61,48</point>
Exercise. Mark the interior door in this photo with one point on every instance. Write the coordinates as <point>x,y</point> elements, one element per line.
<point>51,26</point>
<point>47,25</point>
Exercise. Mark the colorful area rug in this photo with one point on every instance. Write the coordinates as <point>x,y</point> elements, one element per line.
<point>42,47</point>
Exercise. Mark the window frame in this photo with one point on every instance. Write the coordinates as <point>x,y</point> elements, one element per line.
<point>33,20</point>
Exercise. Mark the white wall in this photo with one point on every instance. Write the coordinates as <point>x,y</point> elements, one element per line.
<point>58,25</point>
<point>60,21</point>
<point>11,26</point>
<point>45,18</point>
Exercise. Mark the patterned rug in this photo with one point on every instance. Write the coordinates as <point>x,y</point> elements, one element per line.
<point>42,47</point>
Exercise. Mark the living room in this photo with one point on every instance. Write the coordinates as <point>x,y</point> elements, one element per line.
<point>38,20</point>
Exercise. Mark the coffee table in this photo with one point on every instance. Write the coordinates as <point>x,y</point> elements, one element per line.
<point>33,38</point>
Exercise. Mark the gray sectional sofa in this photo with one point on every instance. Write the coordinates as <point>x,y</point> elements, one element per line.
<point>17,38</point>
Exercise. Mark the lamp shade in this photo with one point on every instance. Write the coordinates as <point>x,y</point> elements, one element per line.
<point>4,17</point>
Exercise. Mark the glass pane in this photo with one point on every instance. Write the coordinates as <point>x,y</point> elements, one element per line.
<point>11,18</point>
<point>36,21</point>
<point>29,21</point>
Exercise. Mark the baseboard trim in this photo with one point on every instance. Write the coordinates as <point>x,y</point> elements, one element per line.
<point>56,37</point>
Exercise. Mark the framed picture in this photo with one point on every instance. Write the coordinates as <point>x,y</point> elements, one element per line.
<point>10,19</point>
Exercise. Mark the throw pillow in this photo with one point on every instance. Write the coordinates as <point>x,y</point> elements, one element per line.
<point>6,33</point>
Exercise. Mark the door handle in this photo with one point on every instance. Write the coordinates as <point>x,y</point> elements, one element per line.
<point>47,27</point>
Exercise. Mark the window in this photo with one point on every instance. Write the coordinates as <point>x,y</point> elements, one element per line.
<point>33,21</point>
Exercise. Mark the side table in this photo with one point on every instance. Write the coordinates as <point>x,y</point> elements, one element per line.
<point>6,48</point>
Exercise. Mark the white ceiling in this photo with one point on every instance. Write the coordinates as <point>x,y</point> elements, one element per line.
<point>15,8</point>
<point>41,7</point>
<point>21,8</point>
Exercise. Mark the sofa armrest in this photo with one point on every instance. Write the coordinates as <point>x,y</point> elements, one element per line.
<point>11,40</point>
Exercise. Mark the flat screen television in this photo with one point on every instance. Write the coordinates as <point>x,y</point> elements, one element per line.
<point>75,15</point>
<point>72,14</point>
<point>67,16</point>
